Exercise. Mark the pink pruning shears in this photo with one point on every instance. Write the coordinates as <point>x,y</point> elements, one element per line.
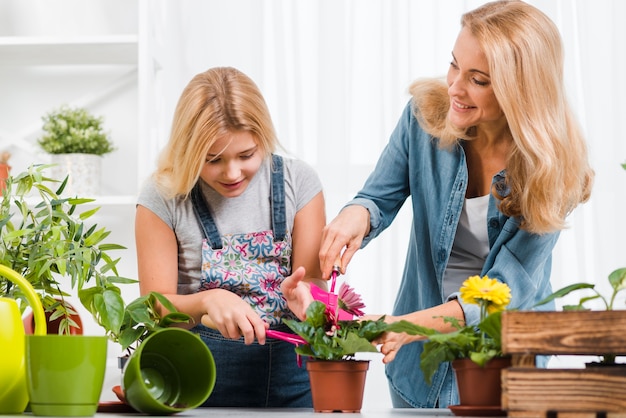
<point>331,299</point>
<point>290,338</point>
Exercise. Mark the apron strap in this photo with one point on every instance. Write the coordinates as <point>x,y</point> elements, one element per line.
<point>204,216</point>
<point>279,219</point>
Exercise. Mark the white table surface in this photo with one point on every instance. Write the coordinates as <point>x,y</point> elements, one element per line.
<point>283,412</point>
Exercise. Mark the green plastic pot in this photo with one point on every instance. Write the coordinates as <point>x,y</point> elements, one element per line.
<point>65,373</point>
<point>171,371</point>
<point>13,388</point>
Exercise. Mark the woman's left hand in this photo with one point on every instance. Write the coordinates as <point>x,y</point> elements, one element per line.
<point>390,342</point>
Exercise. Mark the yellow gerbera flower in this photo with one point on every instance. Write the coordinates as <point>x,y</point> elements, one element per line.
<point>487,292</point>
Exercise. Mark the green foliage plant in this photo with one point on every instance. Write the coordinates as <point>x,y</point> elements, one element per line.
<point>617,281</point>
<point>46,239</point>
<point>74,130</point>
<point>340,340</point>
<point>481,342</point>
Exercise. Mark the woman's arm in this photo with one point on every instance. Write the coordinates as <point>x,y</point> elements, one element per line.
<point>430,318</point>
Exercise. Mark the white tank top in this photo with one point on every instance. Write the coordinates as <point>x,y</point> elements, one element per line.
<point>471,245</point>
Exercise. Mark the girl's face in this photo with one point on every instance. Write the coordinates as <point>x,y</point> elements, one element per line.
<point>232,162</point>
<point>472,101</point>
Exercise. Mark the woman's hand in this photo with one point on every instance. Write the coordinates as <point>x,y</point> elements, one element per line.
<point>233,317</point>
<point>297,293</point>
<point>391,342</point>
<point>347,231</point>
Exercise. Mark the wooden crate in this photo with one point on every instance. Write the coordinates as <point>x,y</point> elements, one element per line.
<point>564,393</point>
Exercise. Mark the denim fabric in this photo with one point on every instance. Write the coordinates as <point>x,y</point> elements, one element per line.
<point>256,376</point>
<point>413,166</point>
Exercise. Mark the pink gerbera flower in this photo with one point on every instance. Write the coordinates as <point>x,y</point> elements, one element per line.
<point>350,301</point>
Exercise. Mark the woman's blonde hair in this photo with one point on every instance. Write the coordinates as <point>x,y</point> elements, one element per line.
<point>216,102</point>
<point>548,173</point>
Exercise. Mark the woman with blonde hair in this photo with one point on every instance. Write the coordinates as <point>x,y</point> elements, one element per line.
<point>493,162</point>
<point>218,227</point>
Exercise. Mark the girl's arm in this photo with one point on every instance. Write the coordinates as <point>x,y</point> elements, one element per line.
<point>157,260</point>
<point>306,237</point>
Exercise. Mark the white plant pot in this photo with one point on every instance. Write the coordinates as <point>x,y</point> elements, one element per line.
<point>84,171</point>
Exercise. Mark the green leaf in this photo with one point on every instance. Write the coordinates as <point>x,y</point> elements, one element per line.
<point>617,279</point>
<point>174,318</point>
<point>88,214</point>
<point>482,357</point>
<point>110,308</point>
<point>564,291</point>
<point>492,326</point>
<point>433,355</point>
<point>354,344</point>
<point>129,336</point>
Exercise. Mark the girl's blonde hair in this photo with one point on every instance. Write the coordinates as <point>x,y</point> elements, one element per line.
<point>216,102</point>
<point>548,173</point>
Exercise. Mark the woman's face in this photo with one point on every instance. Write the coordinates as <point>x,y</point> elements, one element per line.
<point>472,102</point>
<point>231,163</point>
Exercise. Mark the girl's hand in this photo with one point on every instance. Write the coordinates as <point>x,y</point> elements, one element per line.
<point>297,293</point>
<point>233,317</point>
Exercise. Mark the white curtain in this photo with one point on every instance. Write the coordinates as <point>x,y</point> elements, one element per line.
<point>335,75</point>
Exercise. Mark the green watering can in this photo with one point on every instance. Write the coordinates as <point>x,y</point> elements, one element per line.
<point>13,388</point>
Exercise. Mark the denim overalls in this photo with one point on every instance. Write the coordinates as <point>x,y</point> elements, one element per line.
<point>253,266</point>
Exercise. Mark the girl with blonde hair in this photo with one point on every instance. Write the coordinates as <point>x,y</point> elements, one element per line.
<point>219,226</point>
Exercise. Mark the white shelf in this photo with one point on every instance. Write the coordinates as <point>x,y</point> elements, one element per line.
<point>96,50</point>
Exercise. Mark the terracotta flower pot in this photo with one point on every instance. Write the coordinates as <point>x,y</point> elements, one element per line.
<point>480,386</point>
<point>337,386</point>
<point>5,172</point>
<point>53,325</point>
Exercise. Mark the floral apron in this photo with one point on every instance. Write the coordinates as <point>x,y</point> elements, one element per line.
<point>252,265</point>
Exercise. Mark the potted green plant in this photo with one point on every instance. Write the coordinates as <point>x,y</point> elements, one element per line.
<point>330,344</point>
<point>45,238</point>
<point>475,351</point>
<point>617,282</point>
<point>76,141</point>
<point>579,329</point>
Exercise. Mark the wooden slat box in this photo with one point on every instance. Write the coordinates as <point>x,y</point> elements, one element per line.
<point>580,393</point>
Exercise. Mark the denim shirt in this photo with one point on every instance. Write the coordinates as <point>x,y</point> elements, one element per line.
<point>413,165</point>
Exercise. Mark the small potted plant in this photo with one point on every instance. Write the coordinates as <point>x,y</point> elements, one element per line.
<point>330,343</point>
<point>76,141</point>
<point>579,329</point>
<point>475,351</point>
<point>617,282</point>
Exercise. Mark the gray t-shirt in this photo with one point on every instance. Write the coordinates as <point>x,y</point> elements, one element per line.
<point>249,212</point>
